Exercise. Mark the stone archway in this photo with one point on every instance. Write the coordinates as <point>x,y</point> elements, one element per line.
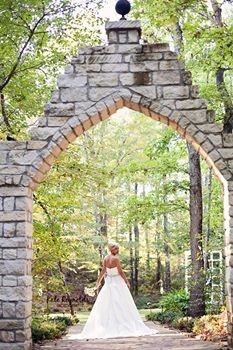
<point>144,77</point>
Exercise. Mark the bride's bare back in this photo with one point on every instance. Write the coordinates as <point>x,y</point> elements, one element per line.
<point>111,261</point>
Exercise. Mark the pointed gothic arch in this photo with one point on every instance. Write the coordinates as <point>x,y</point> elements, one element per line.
<point>143,77</point>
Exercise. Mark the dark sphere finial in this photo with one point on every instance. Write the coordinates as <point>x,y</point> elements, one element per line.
<point>123,7</point>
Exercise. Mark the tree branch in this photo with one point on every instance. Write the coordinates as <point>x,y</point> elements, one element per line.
<point>25,45</point>
<point>4,113</point>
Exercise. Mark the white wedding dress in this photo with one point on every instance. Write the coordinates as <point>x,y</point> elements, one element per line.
<point>114,313</point>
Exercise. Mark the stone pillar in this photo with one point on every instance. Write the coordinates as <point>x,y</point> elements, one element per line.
<point>15,267</point>
<point>123,32</point>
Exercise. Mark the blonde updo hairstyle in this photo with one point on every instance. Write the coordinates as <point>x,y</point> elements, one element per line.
<point>112,245</point>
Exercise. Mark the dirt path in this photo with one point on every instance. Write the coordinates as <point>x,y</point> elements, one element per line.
<point>165,339</point>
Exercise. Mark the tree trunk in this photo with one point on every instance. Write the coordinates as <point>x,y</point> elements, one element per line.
<point>197,284</point>
<point>147,249</point>
<point>226,98</point>
<point>63,277</point>
<point>220,82</point>
<point>136,251</point>
<point>131,261</point>
<point>207,210</point>
<point>167,281</point>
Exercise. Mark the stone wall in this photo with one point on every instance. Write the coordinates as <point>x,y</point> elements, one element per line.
<point>144,77</point>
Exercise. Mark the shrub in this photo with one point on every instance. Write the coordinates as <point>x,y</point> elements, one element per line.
<point>176,300</point>
<point>51,327</point>
<point>67,320</point>
<point>184,323</point>
<point>46,329</point>
<point>145,302</point>
<point>211,327</point>
<point>164,317</point>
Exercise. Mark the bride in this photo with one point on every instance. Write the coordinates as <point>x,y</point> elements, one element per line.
<point>114,313</point>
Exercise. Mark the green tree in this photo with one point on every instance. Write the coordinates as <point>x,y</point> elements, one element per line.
<point>36,39</point>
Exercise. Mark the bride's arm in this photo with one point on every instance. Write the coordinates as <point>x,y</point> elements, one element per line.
<point>121,272</point>
<point>101,275</point>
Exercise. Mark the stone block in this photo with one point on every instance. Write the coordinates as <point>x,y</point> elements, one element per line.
<point>6,337</point>
<point>57,121</point>
<point>170,55</point>
<point>117,58</point>
<point>12,169</point>
<point>214,155</point>
<point>55,96</point>
<point>216,140</point>
<point>23,309</point>
<point>72,80</point>
<point>125,49</point>
<point>114,67</point>
<point>11,324</point>
<point>228,140</point>
<point>139,78</point>
<point>9,254</point>
<point>211,116</point>
<point>42,133</point>
<point>22,335</point>
<point>207,146</point>
<point>3,155</point>
<point>12,267</point>
<point>133,36</point>
<point>9,310</point>
<point>22,203</point>
<point>195,116</point>
<point>9,229</point>
<point>186,77</point>
<point>96,94</point>
<point>111,105</point>
<point>144,57</point>
<point>74,94</point>
<point>146,66</point>
<point>170,65</point>
<point>175,92</point>
<point>80,59</point>
<point>15,294</point>
<point>167,78</point>
<point>13,216</point>
<point>103,80</point>
<point>17,242</point>
<point>8,191</point>
<point>9,145</point>
<point>112,37</point>
<point>59,109</point>
<point>23,229</point>
<point>35,145</point>
<point>86,68</point>
<point>159,47</point>
<point>25,281</point>
<point>8,203</point>
<point>194,91</point>
<point>80,107</point>
<point>226,153</point>
<point>146,91</point>
<point>190,104</point>
<point>69,69</point>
